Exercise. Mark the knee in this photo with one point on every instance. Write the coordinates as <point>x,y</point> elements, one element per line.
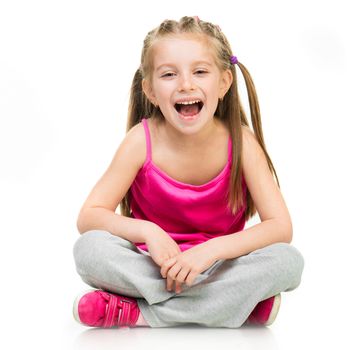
<point>85,249</point>
<point>289,254</point>
<point>291,262</point>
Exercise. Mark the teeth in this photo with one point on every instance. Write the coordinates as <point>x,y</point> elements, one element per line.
<point>188,102</point>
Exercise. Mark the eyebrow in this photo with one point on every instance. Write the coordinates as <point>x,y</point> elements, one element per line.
<point>193,63</point>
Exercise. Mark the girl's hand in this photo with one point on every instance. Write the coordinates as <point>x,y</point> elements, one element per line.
<point>161,246</point>
<point>186,266</point>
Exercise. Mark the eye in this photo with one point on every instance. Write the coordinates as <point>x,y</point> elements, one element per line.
<point>168,75</point>
<point>200,71</point>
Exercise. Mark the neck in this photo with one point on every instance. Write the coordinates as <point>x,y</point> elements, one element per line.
<point>189,143</point>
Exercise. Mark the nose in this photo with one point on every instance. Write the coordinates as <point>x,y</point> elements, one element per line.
<point>186,83</point>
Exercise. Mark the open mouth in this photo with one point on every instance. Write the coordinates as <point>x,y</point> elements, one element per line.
<point>189,108</point>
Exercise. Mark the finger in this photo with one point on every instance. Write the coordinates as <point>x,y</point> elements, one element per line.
<point>163,271</point>
<point>178,287</point>
<point>190,279</point>
<point>169,284</point>
<point>166,266</point>
<point>180,279</point>
<point>182,275</point>
<point>171,275</point>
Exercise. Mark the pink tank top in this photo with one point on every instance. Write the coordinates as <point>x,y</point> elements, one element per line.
<point>190,214</point>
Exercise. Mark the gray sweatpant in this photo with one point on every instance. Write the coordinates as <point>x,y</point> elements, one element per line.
<point>222,296</point>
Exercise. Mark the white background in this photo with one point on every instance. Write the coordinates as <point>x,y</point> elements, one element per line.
<point>65,74</point>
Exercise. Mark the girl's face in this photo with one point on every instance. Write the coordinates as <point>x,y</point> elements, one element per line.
<point>184,70</point>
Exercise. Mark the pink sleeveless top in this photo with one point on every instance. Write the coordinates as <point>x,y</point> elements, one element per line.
<point>190,214</point>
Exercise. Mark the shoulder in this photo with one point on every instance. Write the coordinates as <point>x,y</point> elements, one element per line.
<point>251,147</point>
<point>248,135</point>
<point>135,144</point>
<point>253,157</point>
<point>111,188</point>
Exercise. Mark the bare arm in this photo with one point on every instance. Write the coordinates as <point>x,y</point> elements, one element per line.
<point>244,242</point>
<point>276,224</point>
<point>98,211</point>
<point>134,230</point>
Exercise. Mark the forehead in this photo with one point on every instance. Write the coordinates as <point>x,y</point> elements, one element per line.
<point>181,49</point>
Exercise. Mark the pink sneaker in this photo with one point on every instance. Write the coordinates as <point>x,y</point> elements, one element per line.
<point>97,308</point>
<point>265,312</point>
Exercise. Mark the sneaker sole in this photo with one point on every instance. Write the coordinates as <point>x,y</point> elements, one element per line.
<point>274,310</point>
<point>75,305</point>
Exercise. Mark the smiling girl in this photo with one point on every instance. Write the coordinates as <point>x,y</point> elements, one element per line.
<point>187,176</point>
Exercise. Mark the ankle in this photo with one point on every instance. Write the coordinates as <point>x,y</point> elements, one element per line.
<point>141,321</point>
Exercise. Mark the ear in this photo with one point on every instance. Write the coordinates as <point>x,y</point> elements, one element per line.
<point>226,82</point>
<point>148,91</point>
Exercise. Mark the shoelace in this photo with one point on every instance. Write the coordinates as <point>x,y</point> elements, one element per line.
<point>126,309</point>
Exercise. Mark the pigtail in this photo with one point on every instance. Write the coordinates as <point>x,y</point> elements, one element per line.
<point>255,116</point>
<point>139,107</point>
<point>258,131</point>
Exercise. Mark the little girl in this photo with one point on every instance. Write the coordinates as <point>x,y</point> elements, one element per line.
<point>188,175</point>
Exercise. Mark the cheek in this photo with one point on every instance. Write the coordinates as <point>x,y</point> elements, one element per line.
<point>213,95</point>
<point>212,87</point>
<point>164,90</point>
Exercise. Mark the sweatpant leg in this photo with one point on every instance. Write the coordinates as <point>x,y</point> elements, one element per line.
<point>231,291</point>
<point>114,264</point>
<point>222,296</point>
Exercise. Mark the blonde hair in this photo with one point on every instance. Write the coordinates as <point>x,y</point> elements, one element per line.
<point>229,110</point>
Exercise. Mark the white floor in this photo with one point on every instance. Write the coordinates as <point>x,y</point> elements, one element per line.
<point>304,322</point>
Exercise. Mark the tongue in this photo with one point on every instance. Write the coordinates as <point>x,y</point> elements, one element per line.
<point>189,110</point>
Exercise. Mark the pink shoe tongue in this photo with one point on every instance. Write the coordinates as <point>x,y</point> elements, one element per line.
<point>189,110</point>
